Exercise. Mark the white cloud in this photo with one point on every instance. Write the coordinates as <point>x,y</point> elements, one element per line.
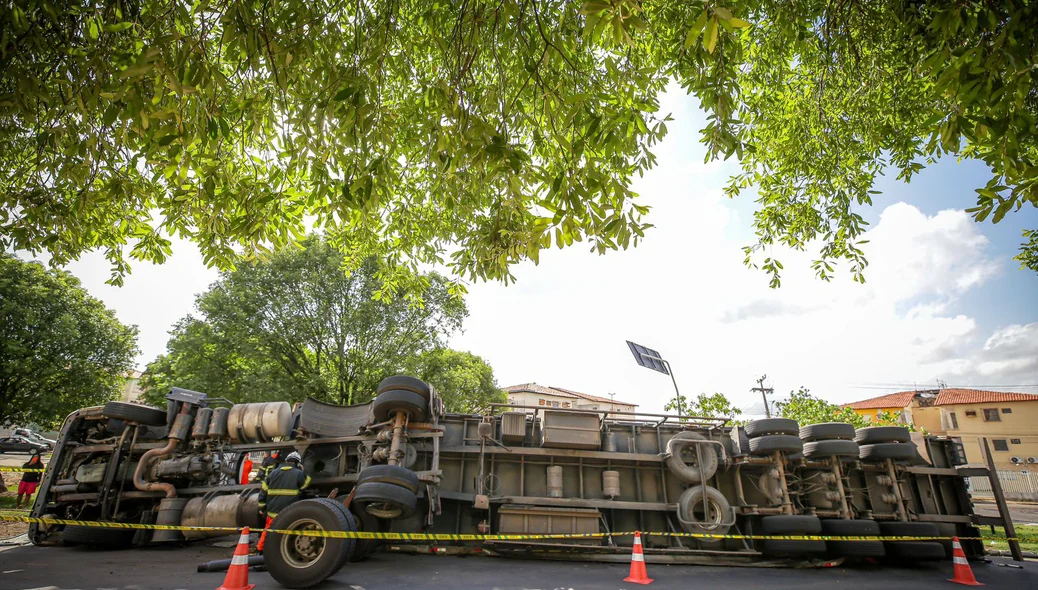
<point>1010,356</point>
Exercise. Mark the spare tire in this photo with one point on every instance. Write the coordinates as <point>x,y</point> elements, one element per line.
<point>882,434</point>
<point>405,383</point>
<point>146,415</point>
<point>717,504</point>
<point>297,561</point>
<point>772,426</point>
<point>685,466</point>
<point>827,431</point>
<point>393,474</point>
<point>766,445</point>
<point>882,451</point>
<point>399,400</point>
<point>829,448</point>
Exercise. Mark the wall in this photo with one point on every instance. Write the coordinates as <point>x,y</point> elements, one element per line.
<point>871,413</point>
<point>545,400</point>
<point>1020,425</point>
<point>131,391</point>
<point>926,418</point>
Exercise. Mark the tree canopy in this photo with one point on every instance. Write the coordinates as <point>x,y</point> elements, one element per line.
<point>704,406</point>
<point>60,349</point>
<point>478,133</point>
<point>808,409</point>
<point>464,381</point>
<point>296,325</point>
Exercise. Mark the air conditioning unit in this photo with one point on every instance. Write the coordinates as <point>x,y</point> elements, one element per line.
<point>1032,460</point>
<point>1016,459</point>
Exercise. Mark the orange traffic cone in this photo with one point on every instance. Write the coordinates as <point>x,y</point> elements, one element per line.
<point>237,577</point>
<point>638,573</point>
<point>963,572</point>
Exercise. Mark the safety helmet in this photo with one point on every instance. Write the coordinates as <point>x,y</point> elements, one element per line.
<point>294,456</point>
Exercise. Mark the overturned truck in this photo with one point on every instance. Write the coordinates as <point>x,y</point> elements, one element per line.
<point>402,464</point>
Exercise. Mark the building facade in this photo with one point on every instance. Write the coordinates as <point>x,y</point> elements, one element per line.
<point>1009,421</point>
<point>540,396</point>
<point>131,391</point>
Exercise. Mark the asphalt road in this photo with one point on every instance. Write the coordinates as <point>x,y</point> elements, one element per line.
<point>28,567</point>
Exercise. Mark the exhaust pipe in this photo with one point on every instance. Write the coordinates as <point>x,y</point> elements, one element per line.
<point>179,432</point>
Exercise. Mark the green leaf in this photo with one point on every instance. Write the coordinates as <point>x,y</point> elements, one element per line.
<point>710,36</point>
<point>696,30</point>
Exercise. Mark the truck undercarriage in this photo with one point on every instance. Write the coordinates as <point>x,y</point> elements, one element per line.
<point>402,464</point>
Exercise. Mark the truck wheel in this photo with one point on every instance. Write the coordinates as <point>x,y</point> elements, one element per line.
<point>882,434</point>
<point>790,524</point>
<point>772,426</point>
<point>683,461</point>
<point>696,521</point>
<point>853,528</point>
<point>399,400</point>
<point>385,500</point>
<point>405,383</point>
<point>916,550</point>
<point>827,431</point>
<point>297,561</point>
<point>881,451</point>
<point>135,413</point>
<point>828,448</point>
<point>350,546</point>
<point>393,474</point>
<point>366,547</point>
<point>97,537</point>
<point>766,445</point>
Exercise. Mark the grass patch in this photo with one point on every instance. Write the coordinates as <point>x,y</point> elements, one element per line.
<point>1028,536</point>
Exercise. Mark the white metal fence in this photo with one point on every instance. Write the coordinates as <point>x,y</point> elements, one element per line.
<point>1017,486</point>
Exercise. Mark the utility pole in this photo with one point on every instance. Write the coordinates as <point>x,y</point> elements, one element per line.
<point>764,391</point>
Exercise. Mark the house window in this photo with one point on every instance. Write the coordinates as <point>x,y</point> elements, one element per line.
<point>1000,444</point>
<point>971,413</point>
<point>1014,441</point>
<point>1007,410</point>
<point>953,422</point>
<point>991,415</point>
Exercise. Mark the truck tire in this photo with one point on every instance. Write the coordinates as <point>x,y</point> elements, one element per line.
<point>405,383</point>
<point>690,471</point>
<point>720,510</point>
<point>791,524</point>
<point>393,474</point>
<point>766,445</point>
<point>853,528</point>
<point>146,415</point>
<point>97,537</point>
<point>882,451</point>
<point>385,500</point>
<point>297,561</point>
<point>400,400</point>
<point>827,431</point>
<point>882,434</point>
<point>916,550</point>
<point>366,547</point>
<point>823,449</point>
<point>772,426</point>
<point>350,547</point>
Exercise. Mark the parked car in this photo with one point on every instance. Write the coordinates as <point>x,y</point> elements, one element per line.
<point>20,444</point>
<point>35,436</point>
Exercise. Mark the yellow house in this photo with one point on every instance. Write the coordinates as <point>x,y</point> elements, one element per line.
<point>1008,420</point>
<point>893,403</point>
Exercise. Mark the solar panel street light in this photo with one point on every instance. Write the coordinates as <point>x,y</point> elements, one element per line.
<point>650,359</point>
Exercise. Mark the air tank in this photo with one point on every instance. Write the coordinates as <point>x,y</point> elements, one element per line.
<point>555,481</point>
<point>260,422</point>
<point>611,484</point>
<point>201,428</point>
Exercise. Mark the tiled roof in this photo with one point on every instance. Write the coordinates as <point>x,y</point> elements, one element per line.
<point>949,397</point>
<point>535,388</point>
<point>891,400</point>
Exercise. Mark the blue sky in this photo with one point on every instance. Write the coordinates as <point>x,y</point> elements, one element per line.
<point>943,300</point>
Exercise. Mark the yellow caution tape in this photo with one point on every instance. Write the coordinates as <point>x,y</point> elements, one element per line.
<point>468,537</point>
<point>22,469</point>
